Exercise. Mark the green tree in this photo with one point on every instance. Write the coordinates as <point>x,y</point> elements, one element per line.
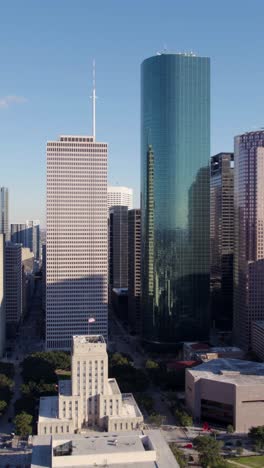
<point>184,418</point>
<point>6,385</point>
<point>179,455</point>
<point>151,364</point>
<point>256,434</point>
<point>23,424</point>
<point>230,429</point>
<point>209,452</point>
<point>3,406</point>
<point>156,419</point>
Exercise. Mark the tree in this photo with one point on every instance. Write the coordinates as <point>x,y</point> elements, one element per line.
<point>3,406</point>
<point>156,419</point>
<point>151,364</point>
<point>209,452</point>
<point>184,418</point>
<point>179,455</point>
<point>256,434</point>
<point>23,424</point>
<point>230,429</point>
<point>239,451</point>
<point>6,385</point>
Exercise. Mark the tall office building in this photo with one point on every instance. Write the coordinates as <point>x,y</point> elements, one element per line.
<point>134,265</point>
<point>27,234</point>
<point>33,237</point>
<point>4,207</point>
<point>118,247</point>
<point>120,196</point>
<point>175,196</point>
<point>13,286</point>
<point>249,235</point>
<point>19,233</point>
<point>77,239</point>
<point>222,239</point>
<point>2,295</point>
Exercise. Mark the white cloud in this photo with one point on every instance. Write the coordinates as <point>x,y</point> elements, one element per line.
<point>7,101</point>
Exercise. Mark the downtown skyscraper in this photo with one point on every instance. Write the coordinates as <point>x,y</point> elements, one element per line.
<point>175,196</point>
<point>222,239</point>
<point>77,239</point>
<point>4,212</point>
<point>249,235</point>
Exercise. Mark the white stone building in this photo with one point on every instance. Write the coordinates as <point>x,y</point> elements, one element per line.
<point>119,196</point>
<point>90,398</point>
<point>77,239</point>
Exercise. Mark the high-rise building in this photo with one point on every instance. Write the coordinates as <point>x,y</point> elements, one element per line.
<point>33,237</point>
<point>120,196</point>
<point>13,286</point>
<point>134,268</point>
<point>4,213</point>
<point>77,239</point>
<point>175,197</point>
<point>27,234</point>
<point>118,247</point>
<point>2,295</point>
<point>19,233</point>
<point>222,239</point>
<point>249,235</point>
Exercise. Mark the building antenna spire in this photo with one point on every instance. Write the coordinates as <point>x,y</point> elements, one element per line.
<point>93,99</point>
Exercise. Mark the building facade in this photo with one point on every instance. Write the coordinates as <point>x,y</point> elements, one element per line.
<point>77,239</point>
<point>4,212</point>
<point>90,398</point>
<point>119,196</point>
<point>257,338</point>
<point>118,247</point>
<point>13,286</point>
<point>249,232</point>
<point>2,295</point>
<point>134,269</point>
<point>222,239</point>
<point>27,234</point>
<point>175,196</point>
<point>227,391</point>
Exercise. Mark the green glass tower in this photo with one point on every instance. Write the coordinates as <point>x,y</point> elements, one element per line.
<point>175,197</point>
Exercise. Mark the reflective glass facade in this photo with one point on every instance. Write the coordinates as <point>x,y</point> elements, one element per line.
<point>175,193</point>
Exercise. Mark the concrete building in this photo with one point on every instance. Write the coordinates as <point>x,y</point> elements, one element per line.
<point>90,398</point>
<point>28,280</point>
<point>13,286</point>
<point>43,281</point>
<point>118,247</point>
<point>134,269</point>
<point>144,449</point>
<point>257,338</point>
<point>19,233</point>
<point>249,232</point>
<point>2,295</point>
<point>227,391</point>
<point>4,212</point>
<point>205,352</point>
<point>222,239</point>
<point>77,239</point>
<point>120,196</point>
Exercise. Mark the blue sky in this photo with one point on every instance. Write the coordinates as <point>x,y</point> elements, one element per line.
<point>46,52</point>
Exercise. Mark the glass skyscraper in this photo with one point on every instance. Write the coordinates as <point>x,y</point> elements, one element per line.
<point>175,194</point>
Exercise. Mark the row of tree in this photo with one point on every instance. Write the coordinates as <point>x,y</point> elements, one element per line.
<point>6,385</point>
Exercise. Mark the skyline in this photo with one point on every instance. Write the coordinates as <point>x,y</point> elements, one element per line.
<point>46,80</point>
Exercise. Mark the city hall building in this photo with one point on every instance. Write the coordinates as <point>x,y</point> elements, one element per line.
<point>90,398</point>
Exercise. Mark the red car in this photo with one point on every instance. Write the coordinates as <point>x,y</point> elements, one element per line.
<point>189,446</point>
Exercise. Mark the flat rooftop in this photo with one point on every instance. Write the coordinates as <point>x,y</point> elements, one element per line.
<point>82,339</point>
<point>234,371</point>
<point>113,387</point>
<point>130,408</point>
<point>120,446</point>
<point>48,408</point>
<point>65,387</point>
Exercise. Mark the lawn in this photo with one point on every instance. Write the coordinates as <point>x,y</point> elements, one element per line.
<point>254,462</point>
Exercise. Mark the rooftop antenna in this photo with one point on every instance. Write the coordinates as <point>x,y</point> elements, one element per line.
<point>93,99</point>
